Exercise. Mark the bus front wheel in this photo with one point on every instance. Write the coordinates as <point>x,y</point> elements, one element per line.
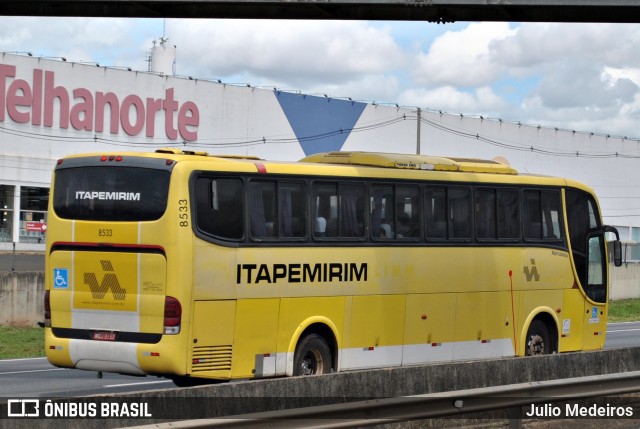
<point>538,339</point>
<point>312,356</point>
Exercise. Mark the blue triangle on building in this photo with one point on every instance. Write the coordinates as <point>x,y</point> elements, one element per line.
<point>321,124</point>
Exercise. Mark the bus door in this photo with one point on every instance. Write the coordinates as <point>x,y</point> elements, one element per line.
<point>590,261</point>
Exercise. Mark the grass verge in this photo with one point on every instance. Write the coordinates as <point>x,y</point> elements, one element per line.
<point>21,342</point>
<point>624,310</point>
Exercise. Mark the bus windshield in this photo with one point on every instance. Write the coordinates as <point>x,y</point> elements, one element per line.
<point>111,193</point>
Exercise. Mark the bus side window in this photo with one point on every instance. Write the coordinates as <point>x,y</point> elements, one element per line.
<point>485,211</point>
<point>542,215</point>
<point>325,209</point>
<point>508,207</point>
<point>338,210</point>
<point>459,212</point>
<point>292,209</point>
<point>532,214</point>
<point>408,212</point>
<point>352,210</point>
<point>219,207</point>
<point>435,212</point>
<point>382,213</point>
<point>497,213</point>
<point>551,215</point>
<point>262,209</point>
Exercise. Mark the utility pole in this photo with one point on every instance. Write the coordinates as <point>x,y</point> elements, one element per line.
<point>418,131</point>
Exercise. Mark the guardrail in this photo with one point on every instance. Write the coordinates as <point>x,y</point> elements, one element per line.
<point>401,409</point>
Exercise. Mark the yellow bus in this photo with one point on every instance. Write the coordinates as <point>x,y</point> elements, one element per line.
<point>193,266</point>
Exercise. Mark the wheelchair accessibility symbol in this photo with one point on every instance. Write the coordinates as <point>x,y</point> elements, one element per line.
<point>60,278</point>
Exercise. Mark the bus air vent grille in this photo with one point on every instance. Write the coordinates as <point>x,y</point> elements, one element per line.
<point>211,358</point>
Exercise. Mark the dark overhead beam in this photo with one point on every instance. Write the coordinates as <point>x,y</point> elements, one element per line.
<point>615,11</point>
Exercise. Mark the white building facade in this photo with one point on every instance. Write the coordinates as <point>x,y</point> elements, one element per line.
<point>53,108</point>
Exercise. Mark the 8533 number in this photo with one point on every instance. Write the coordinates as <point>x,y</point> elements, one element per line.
<point>183,213</point>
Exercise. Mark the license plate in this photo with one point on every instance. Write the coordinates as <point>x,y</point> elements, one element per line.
<point>103,336</point>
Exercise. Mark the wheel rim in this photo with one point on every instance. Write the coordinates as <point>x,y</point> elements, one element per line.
<point>536,345</point>
<point>312,363</point>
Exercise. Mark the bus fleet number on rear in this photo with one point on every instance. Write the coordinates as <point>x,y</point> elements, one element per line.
<point>183,213</point>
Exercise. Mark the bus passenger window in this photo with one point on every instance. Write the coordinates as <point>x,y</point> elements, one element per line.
<point>497,213</point>
<point>407,212</point>
<point>382,212</point>
<point>352,210</point>
<point>508,207</point>
<point>339,210</point>
<point>292,209</point>
<point>485,210</point>
<point>435,213</point>
<point>532,214</point>
<point>219,207</point>
<point>262,208</point>
<point>325,206</point>
<point>459,212</point>
<point>542,215</point>
<point>551,216</point>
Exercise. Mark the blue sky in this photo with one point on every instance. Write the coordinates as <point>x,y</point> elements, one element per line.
<point>576,76</point>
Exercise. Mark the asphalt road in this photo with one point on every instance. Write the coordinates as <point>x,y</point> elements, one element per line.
<point>33,378</point>
<point>626,334</point>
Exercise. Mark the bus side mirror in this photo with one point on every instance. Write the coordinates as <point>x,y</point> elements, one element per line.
<point>617,245</point>
<point>617,253</point>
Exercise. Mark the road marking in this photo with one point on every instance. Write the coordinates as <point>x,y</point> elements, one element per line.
<point>108,386</point>
<point>21,359</point>
<point>32,370</point>
<point>623,330</point>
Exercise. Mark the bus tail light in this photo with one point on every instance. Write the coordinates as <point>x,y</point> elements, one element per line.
<point>172,315</point>
<point>47,309</point>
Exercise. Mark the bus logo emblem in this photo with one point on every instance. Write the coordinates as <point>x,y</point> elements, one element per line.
<point>531,273</point>
<point>109,281</point>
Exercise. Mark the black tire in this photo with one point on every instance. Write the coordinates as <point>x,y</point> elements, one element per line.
<point>538,339</point>
<point>312,356</point>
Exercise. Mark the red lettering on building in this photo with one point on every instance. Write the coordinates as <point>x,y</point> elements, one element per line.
<point>41,102</point>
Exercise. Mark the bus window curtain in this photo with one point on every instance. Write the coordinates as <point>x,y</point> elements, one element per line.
<point>460,213</point>
<point>348,217</point>
<point>256,211</point>
<point>284,207</point>
<point>376,212</point>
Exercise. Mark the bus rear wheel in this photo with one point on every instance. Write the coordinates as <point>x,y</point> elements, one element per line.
<point>312,356</point>
<point>538,339</point>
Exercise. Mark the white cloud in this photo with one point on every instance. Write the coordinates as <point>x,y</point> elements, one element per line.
<point>299,52</point>
<point>450,99</point>
<point>538,44</point>
<point>78,39</point>
<point>584,84</point>
<point>462,58</point>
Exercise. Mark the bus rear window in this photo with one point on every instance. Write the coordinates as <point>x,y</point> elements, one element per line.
<point>111,193</point>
